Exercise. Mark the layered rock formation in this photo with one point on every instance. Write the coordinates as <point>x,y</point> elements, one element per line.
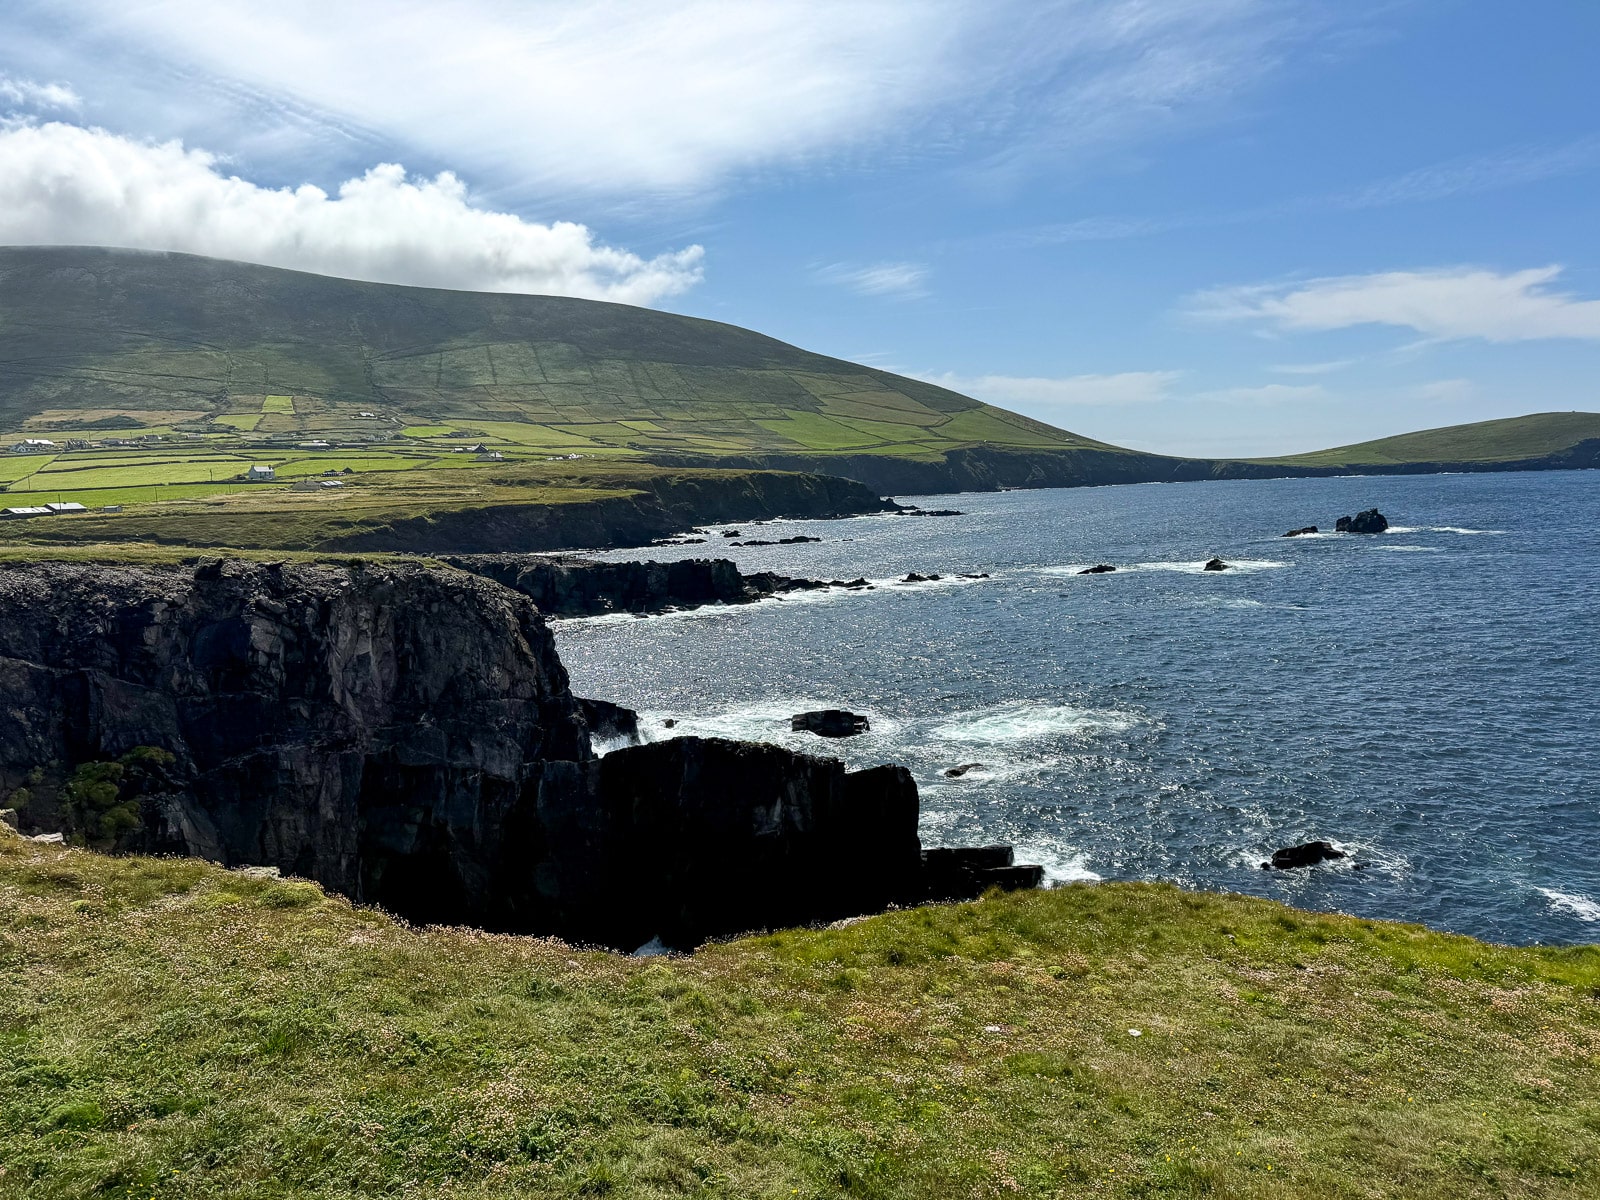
<point>407,736</point>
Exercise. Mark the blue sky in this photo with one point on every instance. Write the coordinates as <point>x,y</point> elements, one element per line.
<point>1195,226</point>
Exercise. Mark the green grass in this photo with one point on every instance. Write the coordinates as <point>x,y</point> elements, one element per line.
<point>171,1029</point>
<point>277,404</point>
<point>1505,440</point>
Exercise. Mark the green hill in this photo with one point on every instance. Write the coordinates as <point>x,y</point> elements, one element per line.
<point>151,382</point>
<point>116,343</point>
<point>1508,440</point>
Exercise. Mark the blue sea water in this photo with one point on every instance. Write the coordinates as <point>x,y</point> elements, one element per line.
<point>1427,698</point>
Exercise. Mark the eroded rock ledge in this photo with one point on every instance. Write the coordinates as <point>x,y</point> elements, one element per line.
<point>569,586</point>
<point>407,736</point>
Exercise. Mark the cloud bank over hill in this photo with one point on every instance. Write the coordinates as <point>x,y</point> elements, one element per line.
<point>1444,303</point>
<point>63,184</point>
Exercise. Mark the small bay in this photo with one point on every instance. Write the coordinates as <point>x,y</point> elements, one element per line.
<point>1426,698</point>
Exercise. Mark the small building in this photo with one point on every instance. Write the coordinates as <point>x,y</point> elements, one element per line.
<point>19,514</point>
<point>69,507</point>
<point>33,446</point>
<point>328,483</point>
<point>260,474</point>
<point>313,446</point>
<point>111,508</point>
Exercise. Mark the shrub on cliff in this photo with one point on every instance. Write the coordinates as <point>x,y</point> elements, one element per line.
<point>101,802</point>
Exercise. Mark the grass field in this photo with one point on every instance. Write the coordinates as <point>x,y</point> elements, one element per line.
<point>1507,440</point>
<point>170,339</point>
<point>170,1029</point>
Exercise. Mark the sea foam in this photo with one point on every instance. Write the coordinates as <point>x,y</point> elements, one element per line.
<point>1581,907</point>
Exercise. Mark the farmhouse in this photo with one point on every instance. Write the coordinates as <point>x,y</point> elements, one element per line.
<point>33,446</point>
<point>260,474</point>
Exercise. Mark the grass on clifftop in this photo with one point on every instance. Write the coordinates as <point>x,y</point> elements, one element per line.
<point>169,1029</point>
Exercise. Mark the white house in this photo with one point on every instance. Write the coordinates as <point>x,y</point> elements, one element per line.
<point>260,474</point>
<point>33,446</point>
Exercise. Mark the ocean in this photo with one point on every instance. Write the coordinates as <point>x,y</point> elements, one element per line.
<point>1428,699</point>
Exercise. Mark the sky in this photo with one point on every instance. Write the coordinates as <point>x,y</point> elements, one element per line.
<point>1202,227</point>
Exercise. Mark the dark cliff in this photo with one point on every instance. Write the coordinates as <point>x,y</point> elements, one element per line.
<point>407,736</point>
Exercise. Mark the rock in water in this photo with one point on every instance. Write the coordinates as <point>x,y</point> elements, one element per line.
<point>915,578</point>
<point>958,772</point>
<point>1304,855</point>
<point>1098,569</point>
<point>1304,530</point>
<point>830,723</point>
<point>1216,564</point>
<point>609,722</point>
<point>1370,521</point>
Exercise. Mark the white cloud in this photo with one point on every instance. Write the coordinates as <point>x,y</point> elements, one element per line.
<point>63,184</point>
<point>1036,396</point>
<point>614,96</point>
<point>28,94</point>
<point>1267,395</point>
<point>1316,368</point>
<point>1443,303</point>
<point>879,279</point>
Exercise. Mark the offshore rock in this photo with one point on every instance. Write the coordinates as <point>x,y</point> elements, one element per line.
<point>1216,564</point>
<point>1301,531</point>
<point>1370,521</point>
<point>830,723</point>
<point>1306,854</point>
<point>1098,569</point>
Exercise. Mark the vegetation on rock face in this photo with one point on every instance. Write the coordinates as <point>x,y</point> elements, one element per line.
<point>100,801</point>
<point>168,1028</point>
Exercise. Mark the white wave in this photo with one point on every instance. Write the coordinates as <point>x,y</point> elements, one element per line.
<point>1236,566</point>
<point>1443,529</point>
<point>604,746</point>
<point>1581,907</point>
<point>1059,868</point>
<point>1412,549</point>
<point>766,721</point>
<point>927,585</point>
<point>1029,722</point>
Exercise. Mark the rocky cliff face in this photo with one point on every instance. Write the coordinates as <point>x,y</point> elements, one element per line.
<point>406,736</point>
<point>319,716</point>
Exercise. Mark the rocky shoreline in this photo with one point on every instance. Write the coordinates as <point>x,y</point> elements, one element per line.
<point>407,736</point>
<point>572,586</point>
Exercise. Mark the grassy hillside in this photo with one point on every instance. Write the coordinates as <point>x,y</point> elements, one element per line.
<point>1538,435</point>
<point>116,343</point>
<point>169,1029</point>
